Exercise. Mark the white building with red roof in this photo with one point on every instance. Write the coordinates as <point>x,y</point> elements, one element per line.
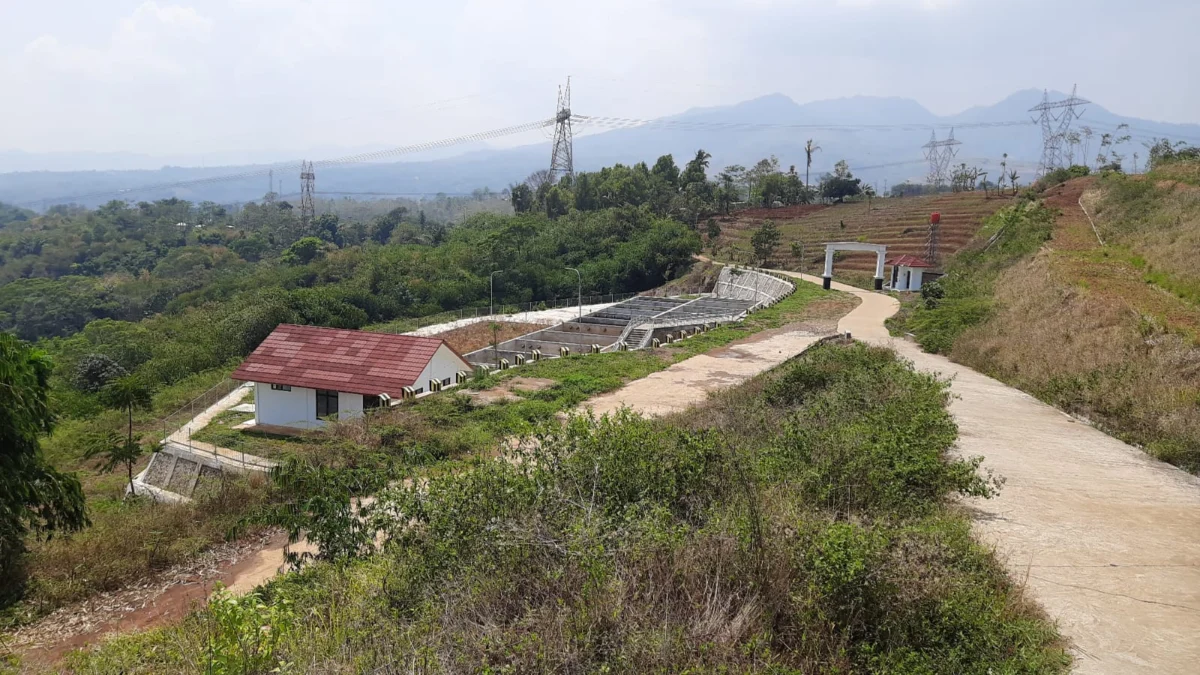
<point>304,375</point>
<point>908,272</point>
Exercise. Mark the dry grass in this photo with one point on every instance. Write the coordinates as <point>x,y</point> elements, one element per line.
<point>1081,327</point>
<point>129,541</point>
<point>900,223</point>
<point>479,334</point>
<point>700,279</point>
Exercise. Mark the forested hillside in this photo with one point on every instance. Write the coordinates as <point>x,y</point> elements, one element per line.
<point>137,308</point>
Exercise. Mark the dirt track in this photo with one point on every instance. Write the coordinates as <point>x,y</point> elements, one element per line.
<point>1106,538</point>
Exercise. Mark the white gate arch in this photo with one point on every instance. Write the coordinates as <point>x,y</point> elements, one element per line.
<point>880,253</point>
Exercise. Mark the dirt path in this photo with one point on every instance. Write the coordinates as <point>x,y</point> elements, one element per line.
<point>1105,538</point>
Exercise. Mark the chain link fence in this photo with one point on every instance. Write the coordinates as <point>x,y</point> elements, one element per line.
<point>407,325</point>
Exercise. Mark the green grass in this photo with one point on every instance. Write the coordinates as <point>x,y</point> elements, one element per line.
<point>963,297</point>
<point>802,522</point>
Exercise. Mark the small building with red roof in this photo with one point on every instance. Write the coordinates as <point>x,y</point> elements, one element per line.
<point>908,272</point>
<point>304,375</point>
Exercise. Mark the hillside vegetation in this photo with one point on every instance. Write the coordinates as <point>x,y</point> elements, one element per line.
<point>802,522</point>
<point>902,223</point>
<point>1105,332</point>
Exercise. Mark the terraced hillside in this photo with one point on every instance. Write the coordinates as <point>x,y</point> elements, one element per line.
<point>901,223</point>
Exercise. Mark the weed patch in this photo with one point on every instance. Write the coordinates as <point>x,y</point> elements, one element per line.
<point>623,544</point>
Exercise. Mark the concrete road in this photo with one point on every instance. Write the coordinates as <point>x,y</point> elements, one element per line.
<point>1105,538</point>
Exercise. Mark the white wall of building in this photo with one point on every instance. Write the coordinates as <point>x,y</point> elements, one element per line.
<point>444,364</point>
<point>298,407</point>
<point>908,278</point>
<point>295,408</point>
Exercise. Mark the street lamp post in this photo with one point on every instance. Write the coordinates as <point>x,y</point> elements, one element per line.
<point>579,278</point>
<point>491,292</point>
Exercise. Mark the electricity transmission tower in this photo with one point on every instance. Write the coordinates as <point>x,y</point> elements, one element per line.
<point>270,197</point>
<point>1055,119</point>
<point>562,158</point>
<point>931,244</point>
<point>939,154</point>
<point>308,182</point>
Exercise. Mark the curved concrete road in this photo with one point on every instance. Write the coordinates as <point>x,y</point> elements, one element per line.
<point>1105,538</point>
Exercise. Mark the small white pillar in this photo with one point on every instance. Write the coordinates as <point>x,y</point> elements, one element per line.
<point>879,255</point>
<point>827,278</point>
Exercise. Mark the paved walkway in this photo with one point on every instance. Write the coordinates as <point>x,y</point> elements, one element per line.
<point>183,435</point>
<point>1105,538</point>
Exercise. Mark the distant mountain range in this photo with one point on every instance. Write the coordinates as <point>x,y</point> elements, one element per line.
<point>881,138</point>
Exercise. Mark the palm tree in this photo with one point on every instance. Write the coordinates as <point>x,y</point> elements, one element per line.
<point>809,149</point>
<point>115,451</point>
<point>1012,178</point>
<point>127,393</point>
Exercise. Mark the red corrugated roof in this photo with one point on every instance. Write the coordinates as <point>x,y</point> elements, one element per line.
<point>352,361</point>
<point>908,261</point>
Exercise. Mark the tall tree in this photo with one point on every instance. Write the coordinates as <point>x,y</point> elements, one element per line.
<point>765,240</point>
<point>127,394</point>
<point>34,497</point>
<point>809,149</point>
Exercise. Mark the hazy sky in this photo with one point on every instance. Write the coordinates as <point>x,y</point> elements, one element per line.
<point>194,76</point>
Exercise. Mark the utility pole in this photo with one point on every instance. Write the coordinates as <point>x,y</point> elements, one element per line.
<point>939,154</point>
<point>562,156</point>
<point>579,277</point>
<point>308,210</point>
<point>491,292</point>
<point>1055,126</point>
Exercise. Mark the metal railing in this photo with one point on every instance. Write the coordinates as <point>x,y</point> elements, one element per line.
<point>505,310</point>
<point>172,422</point>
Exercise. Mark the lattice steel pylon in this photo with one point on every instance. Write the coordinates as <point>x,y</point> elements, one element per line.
<point>939,154</point>
<point>1055,127</point>
<point>562,157</point>
<point>308,182</point>
<point>931,244</point>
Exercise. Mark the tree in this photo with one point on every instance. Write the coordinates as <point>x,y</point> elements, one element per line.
<point>1087,141</point>
<point>522,198</point>
<point>765,240</point>
<point>557,202</point>
<point>696,170</point>
<point>841,183</point>
<point>34,497</point>
<point>665,169</point>
<point>128,393</point>
<point>772,188</point>
<point>1012,178</point>
<point>1073,140</point>
<point>809,149</point>
<point>94,371</point>
<point>304,251</point>
<point>116,451</point>
<point>713,232</point>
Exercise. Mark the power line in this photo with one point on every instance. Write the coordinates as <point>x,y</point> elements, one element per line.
<point>627,122</point>
<point>327,163</point>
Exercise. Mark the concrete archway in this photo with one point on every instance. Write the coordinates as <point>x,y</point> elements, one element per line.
<point>879,250</point>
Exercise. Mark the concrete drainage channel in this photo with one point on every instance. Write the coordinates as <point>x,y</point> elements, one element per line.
<point>641,322</point>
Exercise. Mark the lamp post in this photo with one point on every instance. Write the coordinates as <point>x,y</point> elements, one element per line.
<point>579,278</point>
<point>491,291</point>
